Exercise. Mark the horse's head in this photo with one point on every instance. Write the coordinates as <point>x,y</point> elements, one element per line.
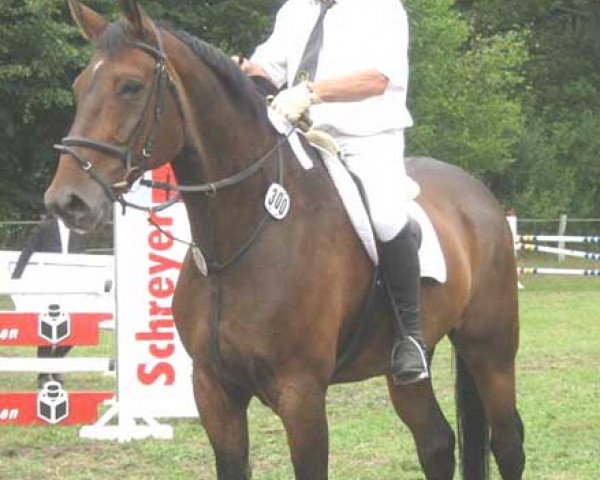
<point>127,118</point>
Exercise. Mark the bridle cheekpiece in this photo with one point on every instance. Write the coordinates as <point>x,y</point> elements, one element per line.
<point>133,169</point>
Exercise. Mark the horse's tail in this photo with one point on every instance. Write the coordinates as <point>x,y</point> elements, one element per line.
<point>473,429</point>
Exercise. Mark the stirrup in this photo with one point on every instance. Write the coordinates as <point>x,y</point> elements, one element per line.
<point>409,362</point>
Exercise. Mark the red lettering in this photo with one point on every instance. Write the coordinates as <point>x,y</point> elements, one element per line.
<point>159,240</point>
<point>162,264</point>
<point>160,369</point>
<point>157,311</point>
<point>164,352</point>
<point>155,333</point>
<point>161,287</point>
<point>162,174</point>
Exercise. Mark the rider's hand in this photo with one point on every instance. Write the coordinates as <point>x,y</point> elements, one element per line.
<point>295,101</point>
<point>248,67</point>
<point>242,62</point>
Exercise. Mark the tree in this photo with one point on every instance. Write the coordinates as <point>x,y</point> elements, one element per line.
<point>558,156</point>
<point>37,62</point>
<point>504,88</point>
<point>464,90</point>
<point>41,53</point>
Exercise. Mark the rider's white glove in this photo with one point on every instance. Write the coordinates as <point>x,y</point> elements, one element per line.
<point>293,102</point>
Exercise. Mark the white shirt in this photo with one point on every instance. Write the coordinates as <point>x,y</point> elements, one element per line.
<point>359,35</point>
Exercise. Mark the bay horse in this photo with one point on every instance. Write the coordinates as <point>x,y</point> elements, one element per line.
<point>271,320</point>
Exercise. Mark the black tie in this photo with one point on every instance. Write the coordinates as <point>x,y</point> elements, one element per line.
<point>308,63</point>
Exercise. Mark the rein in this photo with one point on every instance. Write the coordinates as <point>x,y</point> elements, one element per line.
<point>213,187</point>
<point>203,264</point>
<point>127,155</point>
<point>134,170</point>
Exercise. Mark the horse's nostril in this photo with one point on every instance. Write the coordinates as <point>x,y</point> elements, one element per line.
<point>75,204</point>
<point>68,205</point>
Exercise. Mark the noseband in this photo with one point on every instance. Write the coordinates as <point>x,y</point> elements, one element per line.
<point>126,154</point>
<point>134,169</point>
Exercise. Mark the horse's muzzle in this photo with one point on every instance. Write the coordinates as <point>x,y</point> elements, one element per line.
<point>74,210</point>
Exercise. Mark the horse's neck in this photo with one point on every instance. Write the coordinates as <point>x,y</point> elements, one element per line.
<point>225,134</point>
<point>223,222</point>
<point>222,140</point>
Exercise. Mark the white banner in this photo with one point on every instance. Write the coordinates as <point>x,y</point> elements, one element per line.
<point>154,371</point>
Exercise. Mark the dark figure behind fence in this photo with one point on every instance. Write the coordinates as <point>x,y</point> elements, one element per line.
<point>47,238</point>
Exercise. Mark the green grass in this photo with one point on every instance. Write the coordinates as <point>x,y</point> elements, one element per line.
<point>559,376</point>
<point>5,303</point>
<point>558,387</point>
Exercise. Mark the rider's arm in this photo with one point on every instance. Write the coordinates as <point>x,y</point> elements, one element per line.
<point>270,59</point>
<point>374,68</point>
<point>350,88</point>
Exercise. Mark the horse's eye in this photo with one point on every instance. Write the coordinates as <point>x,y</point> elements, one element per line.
<point>130,88</point>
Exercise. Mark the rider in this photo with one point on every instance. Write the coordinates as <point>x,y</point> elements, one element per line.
<point>357,93</point>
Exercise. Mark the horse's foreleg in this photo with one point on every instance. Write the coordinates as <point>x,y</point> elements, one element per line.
<point>418,408</point>
<point>301,407</point>
<point>223,415</point>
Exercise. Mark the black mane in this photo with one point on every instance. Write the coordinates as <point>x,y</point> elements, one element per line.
<point>116,36</point>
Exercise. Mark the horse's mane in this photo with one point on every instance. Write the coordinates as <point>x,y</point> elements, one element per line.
<point>116,36</point>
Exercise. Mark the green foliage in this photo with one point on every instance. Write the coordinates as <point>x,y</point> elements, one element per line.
<point>231,25</point>
<point>463,92</point>
<point>36,64</point>
<point>510,90</point>
<point>41,53</point>
<point>558,168</point>
<point>558,156</point>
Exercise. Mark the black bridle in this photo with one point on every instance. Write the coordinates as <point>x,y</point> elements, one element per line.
<point>135,169</point>
<point>127,154</point>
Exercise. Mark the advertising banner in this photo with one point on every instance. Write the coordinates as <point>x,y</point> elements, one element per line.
<point>154,371</point>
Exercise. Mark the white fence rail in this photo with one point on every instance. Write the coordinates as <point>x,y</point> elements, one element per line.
<point>538,243</point>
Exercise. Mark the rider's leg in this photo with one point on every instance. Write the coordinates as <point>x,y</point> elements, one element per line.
<point>401,266</point>
<point>379,164</point>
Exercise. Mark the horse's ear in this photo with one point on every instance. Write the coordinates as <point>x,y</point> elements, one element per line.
<point>91,23</point>
<point>139,23</point>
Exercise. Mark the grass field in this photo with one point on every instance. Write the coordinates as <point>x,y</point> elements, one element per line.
<point>558,385</point>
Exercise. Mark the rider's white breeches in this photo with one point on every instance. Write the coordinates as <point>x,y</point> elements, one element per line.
<point>378,161</point>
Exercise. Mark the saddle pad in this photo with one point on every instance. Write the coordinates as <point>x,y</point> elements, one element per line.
<point>433,264</point>
<point>431,257</point>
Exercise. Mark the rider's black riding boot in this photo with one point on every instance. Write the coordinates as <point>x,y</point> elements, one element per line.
<point>400,262</point>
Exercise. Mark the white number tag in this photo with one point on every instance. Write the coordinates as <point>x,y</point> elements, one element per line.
<point>277,201</point>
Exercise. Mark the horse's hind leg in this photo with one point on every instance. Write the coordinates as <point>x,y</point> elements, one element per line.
<point>419,410</point>
<point>487,344</point>
<point>223,415</point>
<point>495,383</point>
